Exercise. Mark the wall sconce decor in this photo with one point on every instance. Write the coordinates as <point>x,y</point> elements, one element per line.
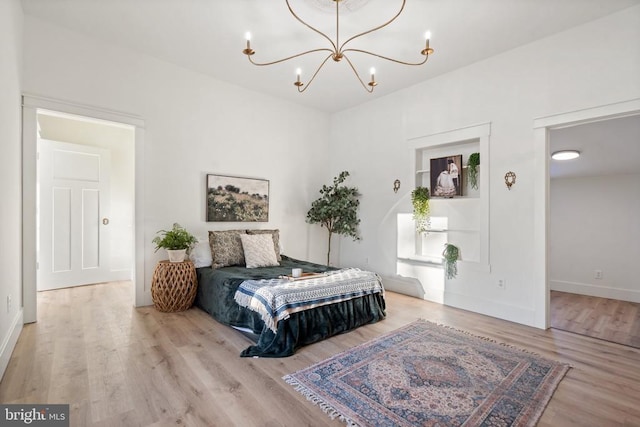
<point>510,179</point>
<point>396,185</point>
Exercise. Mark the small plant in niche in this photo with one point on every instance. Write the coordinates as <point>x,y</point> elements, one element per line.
<point>337,210</point>
<point>450,254</point>
<point>420,200</point>
<point>472,168</point>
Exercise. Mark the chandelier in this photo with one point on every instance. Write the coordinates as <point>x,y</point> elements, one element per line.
<point>338,51</point>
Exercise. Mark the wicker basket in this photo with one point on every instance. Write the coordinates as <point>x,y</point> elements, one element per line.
<point>174,286</point>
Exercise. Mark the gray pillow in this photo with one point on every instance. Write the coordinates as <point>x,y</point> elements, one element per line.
<point>226,248</point>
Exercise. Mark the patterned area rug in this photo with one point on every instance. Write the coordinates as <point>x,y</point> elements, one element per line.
<point>424,374</point>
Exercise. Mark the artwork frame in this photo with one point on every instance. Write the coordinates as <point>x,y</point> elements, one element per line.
<point>446,176</point>
<point>236,199</point>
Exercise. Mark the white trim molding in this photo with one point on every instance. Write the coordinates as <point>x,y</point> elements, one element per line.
<point>541,128</point>
<point>631,295</point>
<point>9,341</point>
<point>482,133</point>
<point>31,105</point>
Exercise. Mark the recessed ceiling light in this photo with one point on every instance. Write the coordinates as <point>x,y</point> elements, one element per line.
<point>565,155</point>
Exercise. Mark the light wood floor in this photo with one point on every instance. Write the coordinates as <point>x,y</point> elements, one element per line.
<point>604,318</point>
<point>117,365</point>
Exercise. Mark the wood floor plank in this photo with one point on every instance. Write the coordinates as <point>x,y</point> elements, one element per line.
<point>603,318</point>
<point>120,366</point>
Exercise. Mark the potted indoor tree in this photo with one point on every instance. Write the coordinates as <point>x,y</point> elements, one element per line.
<point>176,241</point>
<point>337,210</point>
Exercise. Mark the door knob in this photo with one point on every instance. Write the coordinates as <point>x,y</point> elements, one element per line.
<point>105,221</point>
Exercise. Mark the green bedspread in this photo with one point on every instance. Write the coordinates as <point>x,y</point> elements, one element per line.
<point>217,288</point>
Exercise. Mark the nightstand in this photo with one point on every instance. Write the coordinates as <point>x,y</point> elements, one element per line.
<point>174,286</point>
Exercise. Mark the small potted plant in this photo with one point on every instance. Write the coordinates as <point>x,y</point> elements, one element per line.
<point>421,211</point>
<point>176,241</point>
<point>450,254</point>
<point>472,165</point>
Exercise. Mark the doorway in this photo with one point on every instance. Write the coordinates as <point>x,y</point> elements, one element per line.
<point>35,108</point>
<point>85,201</point>
<point>594,238</point>
<point>543,127</point>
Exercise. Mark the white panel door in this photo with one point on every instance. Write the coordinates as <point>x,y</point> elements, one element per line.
<point>73,215</point>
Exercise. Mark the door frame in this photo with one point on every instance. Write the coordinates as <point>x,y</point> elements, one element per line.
<point>30,106</point>
<point>541,128</point>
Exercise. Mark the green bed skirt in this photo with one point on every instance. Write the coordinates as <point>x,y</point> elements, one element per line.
<point>216,290</point>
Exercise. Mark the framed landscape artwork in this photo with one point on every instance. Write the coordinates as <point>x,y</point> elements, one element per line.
<point>446,176</point>
<point>235,199</point>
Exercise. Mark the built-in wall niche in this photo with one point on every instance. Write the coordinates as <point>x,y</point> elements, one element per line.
<point>462,220</point>
<point>424,158</point>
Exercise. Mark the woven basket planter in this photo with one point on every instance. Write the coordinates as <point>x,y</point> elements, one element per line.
<point>174,286</point>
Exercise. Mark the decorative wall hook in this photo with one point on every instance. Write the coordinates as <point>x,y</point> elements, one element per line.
<point>510,179</point>
<point>396,185</point>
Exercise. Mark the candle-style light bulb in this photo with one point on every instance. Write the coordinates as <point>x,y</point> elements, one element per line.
<point>298,74</point>
<point>372,83</point>
<point>248,51</point>
<point>427,50</point>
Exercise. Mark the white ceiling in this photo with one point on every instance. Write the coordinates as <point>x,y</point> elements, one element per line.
<point>606,148</point>
<point>208,36</point>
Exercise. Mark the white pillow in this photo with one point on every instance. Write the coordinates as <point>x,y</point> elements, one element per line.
<point>200,254</point>
<point>259,250</point>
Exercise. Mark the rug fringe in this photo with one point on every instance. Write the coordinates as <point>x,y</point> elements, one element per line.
<point>317,400</point>
<point>491,340</point>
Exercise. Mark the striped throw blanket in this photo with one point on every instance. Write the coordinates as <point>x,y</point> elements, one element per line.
<point>277,299</point>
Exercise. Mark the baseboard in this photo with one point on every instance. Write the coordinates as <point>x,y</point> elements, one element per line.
<point>512,313</point>
<point>595,291</point>
<point>403,285</point>
<point>120,275</point>
<point>9,341</point>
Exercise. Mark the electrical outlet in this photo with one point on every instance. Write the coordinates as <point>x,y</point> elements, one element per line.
<point>8,303</point>
<point>598,274</point>
<point>502,284</point>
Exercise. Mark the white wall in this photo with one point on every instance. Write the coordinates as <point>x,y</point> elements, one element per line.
<point>594,64</point>
<point>194,125</point>
<point>594,226</point>
<point>10,177</point>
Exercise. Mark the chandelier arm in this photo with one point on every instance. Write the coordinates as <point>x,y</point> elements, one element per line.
<point>315,74</point>
<point>260,64</point>
<point>358,76</point>
<point>335,47</point>
<point>376,28</point>
<point>387,58</point>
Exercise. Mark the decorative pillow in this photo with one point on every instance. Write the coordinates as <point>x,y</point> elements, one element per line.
<point>200,254</point>
<point>226,248</point>
<point>276,240</point>
<point>258,250</point>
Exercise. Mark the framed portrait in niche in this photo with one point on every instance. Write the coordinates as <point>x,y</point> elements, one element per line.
<point>446,176</point>
<point>237,199</point>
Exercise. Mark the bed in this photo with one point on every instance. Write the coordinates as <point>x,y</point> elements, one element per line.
<point>218,295</point>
